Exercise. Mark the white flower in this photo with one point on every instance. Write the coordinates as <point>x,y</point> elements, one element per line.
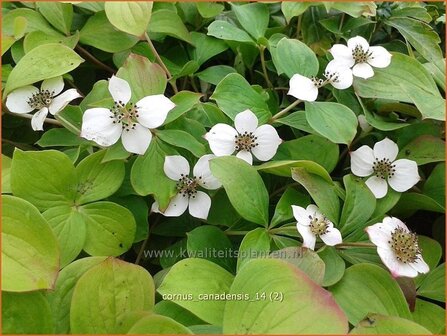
<point>29,98</point>
<point>359,54</point>
<point>397,247</point>
<point>246,139</point>
<point>379,163</point>
<point>176,167</point>
<point>131,122</point>
<point>337,74</point>
<point>311,224</point>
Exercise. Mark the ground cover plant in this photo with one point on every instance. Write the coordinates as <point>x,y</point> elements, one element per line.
<point>223,168</point>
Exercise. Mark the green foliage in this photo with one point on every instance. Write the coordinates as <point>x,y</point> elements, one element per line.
<point>97,239</point>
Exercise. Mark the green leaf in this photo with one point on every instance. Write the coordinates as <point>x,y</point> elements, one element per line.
<point>244,187</point>
<point>98,180</point>
<point>144,78</point>
<point>234,95</point>
<point>60,297</point>
<point>209,9</point>
<point>334,121</point>
<point>327,201</point>
<point>26,313</point>
<point>430,316</point>
<point>44,178</point>
<point>433,286</point>
<point>355,9</point>
<point>305,259</point>
<point>222,212</point>
<point>291,302</point>
<point>69,227</point>
<point>71,118</point>
<point>206,47</point>
<point>434,186</point>
<point>420,35</point>
<point>6,174</point>
<point>296,120</point>
<point>20,24</point>
<point>167,22</point>
<point>148,177</point>
<point>60,15</point>
<point>411,202</point>
<point>292,57</point>
<point>406,80</point>
<point>256,244</point>
<point>195,278</point>
<point>98,32</point>
<point>437,70</point>
<point>283,210</point>
<point>129,17</point>
<point>177,313</point>
<point>182,139</point>
<point>157,324</point>
<point>291,9</point>
<point>139,208</point>
<point>30,255</point>
<point>334,265</point>
<point>424,149</point>
<point>359,205</point>
<point>377,324</point>
<point>110,228</point>
<point>59,137</point>
<point>45,61</point>
<point>253,17</point>
<point>204,239</point>
<point>324,152</point>
<point>34,22</point>
<point>367,288</point>
<point>283,168</point>
<point>106,291</point>
<point>214,74</point>
<point>184,101</point>
<point>226,31</point>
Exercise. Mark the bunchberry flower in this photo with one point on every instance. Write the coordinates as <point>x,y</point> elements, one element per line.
<point>126,120</point>
<point>381,165</point>
<point>397,247</point>
<point>246,138</point>
<point>46,99</point>
<point>312,224</point>
<point>176,167</point>
<point>306,89</point>
<point>359,55</point>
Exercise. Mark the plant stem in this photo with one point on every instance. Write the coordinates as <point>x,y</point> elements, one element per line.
<point>30,116</point>
<point>298,27</point>
<point>343,245</point>
<point>264,68</point>
<point>93,59</point>
<point>284,111</point>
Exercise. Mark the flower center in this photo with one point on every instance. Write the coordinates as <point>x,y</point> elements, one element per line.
<point>187,186</point>
<point>405,245</point>
<point>331,76</point>
<point>245,141</point>
<point>383,168</point>
<point>360,55</point>
<point>126,115</point>
<point>318,82</point>
<point>318,226</point>
<point>43,98</point>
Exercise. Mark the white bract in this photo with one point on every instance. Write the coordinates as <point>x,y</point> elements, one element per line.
<point>46,99</point>
<point>312,224</point>
<point>126,120</point>
<point>359,55</point>
<point>176,167</point>
<point>397,247</point>
<point>304,88</point>
<point>246,138</point>
<point>381,165</point>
